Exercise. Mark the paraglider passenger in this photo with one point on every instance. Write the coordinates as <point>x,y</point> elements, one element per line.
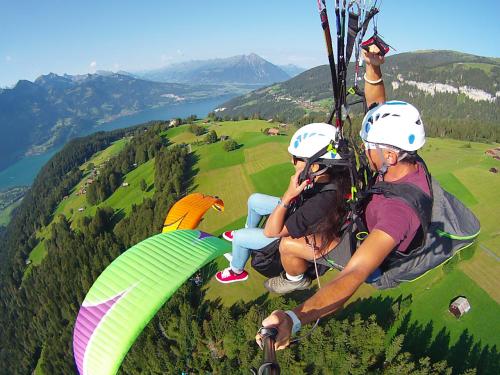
<point>316,205</point>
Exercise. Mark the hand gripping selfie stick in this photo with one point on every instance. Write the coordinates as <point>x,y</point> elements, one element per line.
<point>270,365</point>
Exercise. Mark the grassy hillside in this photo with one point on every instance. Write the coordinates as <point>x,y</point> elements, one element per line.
<point>71,204</point>
<point>6,213</point>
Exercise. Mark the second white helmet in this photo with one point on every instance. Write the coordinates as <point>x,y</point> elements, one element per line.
<point>394,123</point>
<point>311,138</point>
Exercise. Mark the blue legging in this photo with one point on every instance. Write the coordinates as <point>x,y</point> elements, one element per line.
<point>252,238</point>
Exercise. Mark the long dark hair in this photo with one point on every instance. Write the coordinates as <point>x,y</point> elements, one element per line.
<point>330,226</point>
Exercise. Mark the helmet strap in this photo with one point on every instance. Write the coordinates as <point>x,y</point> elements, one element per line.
<point>402,155</point>
<point>306,172</point>
<point>317,173</point>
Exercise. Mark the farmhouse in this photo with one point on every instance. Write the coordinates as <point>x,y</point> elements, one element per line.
<point>273,131</point>
<point>459,307</point>
<point>82,191</point>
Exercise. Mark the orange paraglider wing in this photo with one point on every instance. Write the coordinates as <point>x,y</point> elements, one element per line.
<point>187,212</point>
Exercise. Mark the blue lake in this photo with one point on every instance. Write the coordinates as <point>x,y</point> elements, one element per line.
<point>25,170</point>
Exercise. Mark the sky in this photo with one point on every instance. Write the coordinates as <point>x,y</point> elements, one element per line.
<point>77,37</point>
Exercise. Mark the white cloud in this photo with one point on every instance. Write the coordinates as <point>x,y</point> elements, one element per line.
<point>180,52</point>
<point>93,64</point>
<point>116,66</point>
<point>165,58</point>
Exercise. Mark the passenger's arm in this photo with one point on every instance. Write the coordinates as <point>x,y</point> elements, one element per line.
<point>275,224</point>
<point>374,93</point>
<point>331,297</point>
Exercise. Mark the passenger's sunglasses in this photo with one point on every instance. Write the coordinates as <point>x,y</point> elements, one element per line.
<point>295,159</point>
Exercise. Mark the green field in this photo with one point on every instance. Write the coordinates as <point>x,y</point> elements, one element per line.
<point>6,213</point>
<point>126,196</point>
<point>104,155</point>
<point>432,295</point>
<point>273,180</point>
<point>464,171</point>
<point>453,185</point>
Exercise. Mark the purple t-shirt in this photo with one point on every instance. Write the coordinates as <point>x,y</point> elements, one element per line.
<point>395,217</point>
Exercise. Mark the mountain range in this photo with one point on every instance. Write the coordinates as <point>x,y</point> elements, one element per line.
<point>36,116</point>
<point>242,69</point>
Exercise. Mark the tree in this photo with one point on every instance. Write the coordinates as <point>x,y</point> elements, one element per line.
<point>92,197</point>
<point>230,145</point>
<point>196,129</point>
<point>143,185</point>
<point>211,137</point>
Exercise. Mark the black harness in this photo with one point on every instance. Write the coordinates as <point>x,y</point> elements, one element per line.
<point>413,196</point>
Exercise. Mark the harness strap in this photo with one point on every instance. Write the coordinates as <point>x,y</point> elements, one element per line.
<point>416,199</point>
<point>352,32</point>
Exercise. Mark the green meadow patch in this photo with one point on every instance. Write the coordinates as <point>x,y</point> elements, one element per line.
<point>6,213</point>
<point>126,196</point>
<point>121,200</point>
<point>38,253</point>
<point>254,139</point>
<point>453,185</point>
<point>214,156</point>
<point>173,132</point>
<point>233,186</point>
<point>430,299</point>
<point>484,270</point>
<point>102,156</point>
<point>264,155</point>
<point>273,180</point>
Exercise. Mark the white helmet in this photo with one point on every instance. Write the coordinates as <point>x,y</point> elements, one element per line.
<point>311,138</point>
<point>394,123</point>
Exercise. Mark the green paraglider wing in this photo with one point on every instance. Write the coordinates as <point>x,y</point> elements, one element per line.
<point>131,290</point>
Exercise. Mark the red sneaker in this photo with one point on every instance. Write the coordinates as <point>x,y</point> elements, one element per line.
<point>228,236</point>
<point>228,276</point>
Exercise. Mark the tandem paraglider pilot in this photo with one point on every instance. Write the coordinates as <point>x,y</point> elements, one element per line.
<point>397,215</point>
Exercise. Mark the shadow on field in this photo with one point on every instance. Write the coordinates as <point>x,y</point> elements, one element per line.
<point>464,354</point>
<point>118,215</point>
<point>209,270</point>
<point>191,171</point>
